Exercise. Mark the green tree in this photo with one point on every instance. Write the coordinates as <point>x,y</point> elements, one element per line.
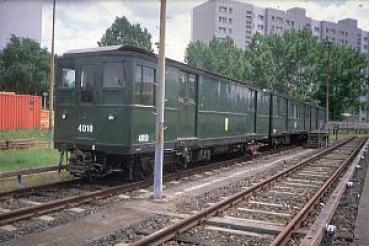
<point>343,68</point>
<point>24,66</point>
<point>124,33</point>
<point>219,56</point>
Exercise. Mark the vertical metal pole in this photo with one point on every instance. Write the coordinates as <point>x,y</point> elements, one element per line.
<point>52,81</point>
<point>160,96</point>
<point>328,78</point>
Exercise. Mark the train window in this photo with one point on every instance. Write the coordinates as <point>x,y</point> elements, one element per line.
<point>87,83</point>
<point>191,87</point>
<point>295,111</point>
<point>113,75</point>
<point>144,85</point>
<point>279,108</point>
<point>69,78</point>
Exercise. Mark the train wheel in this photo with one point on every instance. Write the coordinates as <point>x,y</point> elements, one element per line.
<point>177,165</point>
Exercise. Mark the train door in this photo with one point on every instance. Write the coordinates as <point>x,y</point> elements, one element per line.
<point>88,92</point>
<point>187,95</point>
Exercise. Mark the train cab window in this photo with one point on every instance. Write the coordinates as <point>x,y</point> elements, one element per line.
<point>144,85</point>
<point>113,75</point>
<point>68,78</point>
<point>87,83</point>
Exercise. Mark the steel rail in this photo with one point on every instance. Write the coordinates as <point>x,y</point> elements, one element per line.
<point>33,189</point>
<point>37,188</point>
<point>31,171</point>
<point>170,232</point>
<point>284,235</point>
<point>28,212</point>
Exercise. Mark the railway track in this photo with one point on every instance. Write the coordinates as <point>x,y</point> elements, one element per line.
<point>267,213</point>
<point>31,202</point>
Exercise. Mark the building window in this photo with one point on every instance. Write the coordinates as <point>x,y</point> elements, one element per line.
<point>248,12</point>
<point>260,27</point>
<point>248,18</point>
<point>144,85</point>
<point>248,23</point>
<point>230,20</point>
<point>113,75</point>
<point>273,18</point>
<point>308,25</point>
<point>248,32</point>
<point>230,31</point>
<point>317,29</point>
<point>222,19</point>
<point>248,27</point>
<point>333,31</point>
<point>280,19</point>
<point>222,9</point>
<point>222,29</point>
<point>279,29</point>
<point>261,17</point>
<point>327,30</point>
<point>288,22</point>
<point>230,10</point>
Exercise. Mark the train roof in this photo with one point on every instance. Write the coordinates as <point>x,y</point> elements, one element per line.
<point>122,48</point>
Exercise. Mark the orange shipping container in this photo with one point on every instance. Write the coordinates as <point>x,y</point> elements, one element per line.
<point>19,112</point>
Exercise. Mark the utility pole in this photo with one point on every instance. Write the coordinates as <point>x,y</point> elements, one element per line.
<point>160,96</point>
<point>327,83</point>
<point>52,82</point>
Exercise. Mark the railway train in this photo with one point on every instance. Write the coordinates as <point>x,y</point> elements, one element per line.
<point>105,113</point>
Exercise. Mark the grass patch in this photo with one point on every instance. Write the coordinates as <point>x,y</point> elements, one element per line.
<point>31,158</point>
<point>41,135</point>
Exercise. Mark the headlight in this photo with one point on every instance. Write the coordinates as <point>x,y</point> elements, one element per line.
<point>111,117</point>
<point>64,116</point>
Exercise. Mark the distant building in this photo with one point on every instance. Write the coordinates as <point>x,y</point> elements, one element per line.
<point>22,18</point>
<point>240,21</point>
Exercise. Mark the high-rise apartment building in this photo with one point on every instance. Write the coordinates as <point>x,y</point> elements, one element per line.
<point>21,18</point>
<point>240,21</point>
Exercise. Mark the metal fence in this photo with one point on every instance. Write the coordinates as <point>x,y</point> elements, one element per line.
<point>346,125</point>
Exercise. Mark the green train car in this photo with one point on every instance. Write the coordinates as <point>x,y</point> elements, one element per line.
<point>105,113</point>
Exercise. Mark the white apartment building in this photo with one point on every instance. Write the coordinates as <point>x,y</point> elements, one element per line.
<point>240,21</point>
<point>23,18</point>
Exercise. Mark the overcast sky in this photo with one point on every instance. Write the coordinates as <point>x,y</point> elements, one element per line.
<point>81,23</point>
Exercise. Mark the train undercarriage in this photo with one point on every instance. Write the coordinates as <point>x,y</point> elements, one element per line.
<point>93,164</point>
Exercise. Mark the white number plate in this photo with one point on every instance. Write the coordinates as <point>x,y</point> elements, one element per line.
<point>143,138</point>
<point>85,128</point>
